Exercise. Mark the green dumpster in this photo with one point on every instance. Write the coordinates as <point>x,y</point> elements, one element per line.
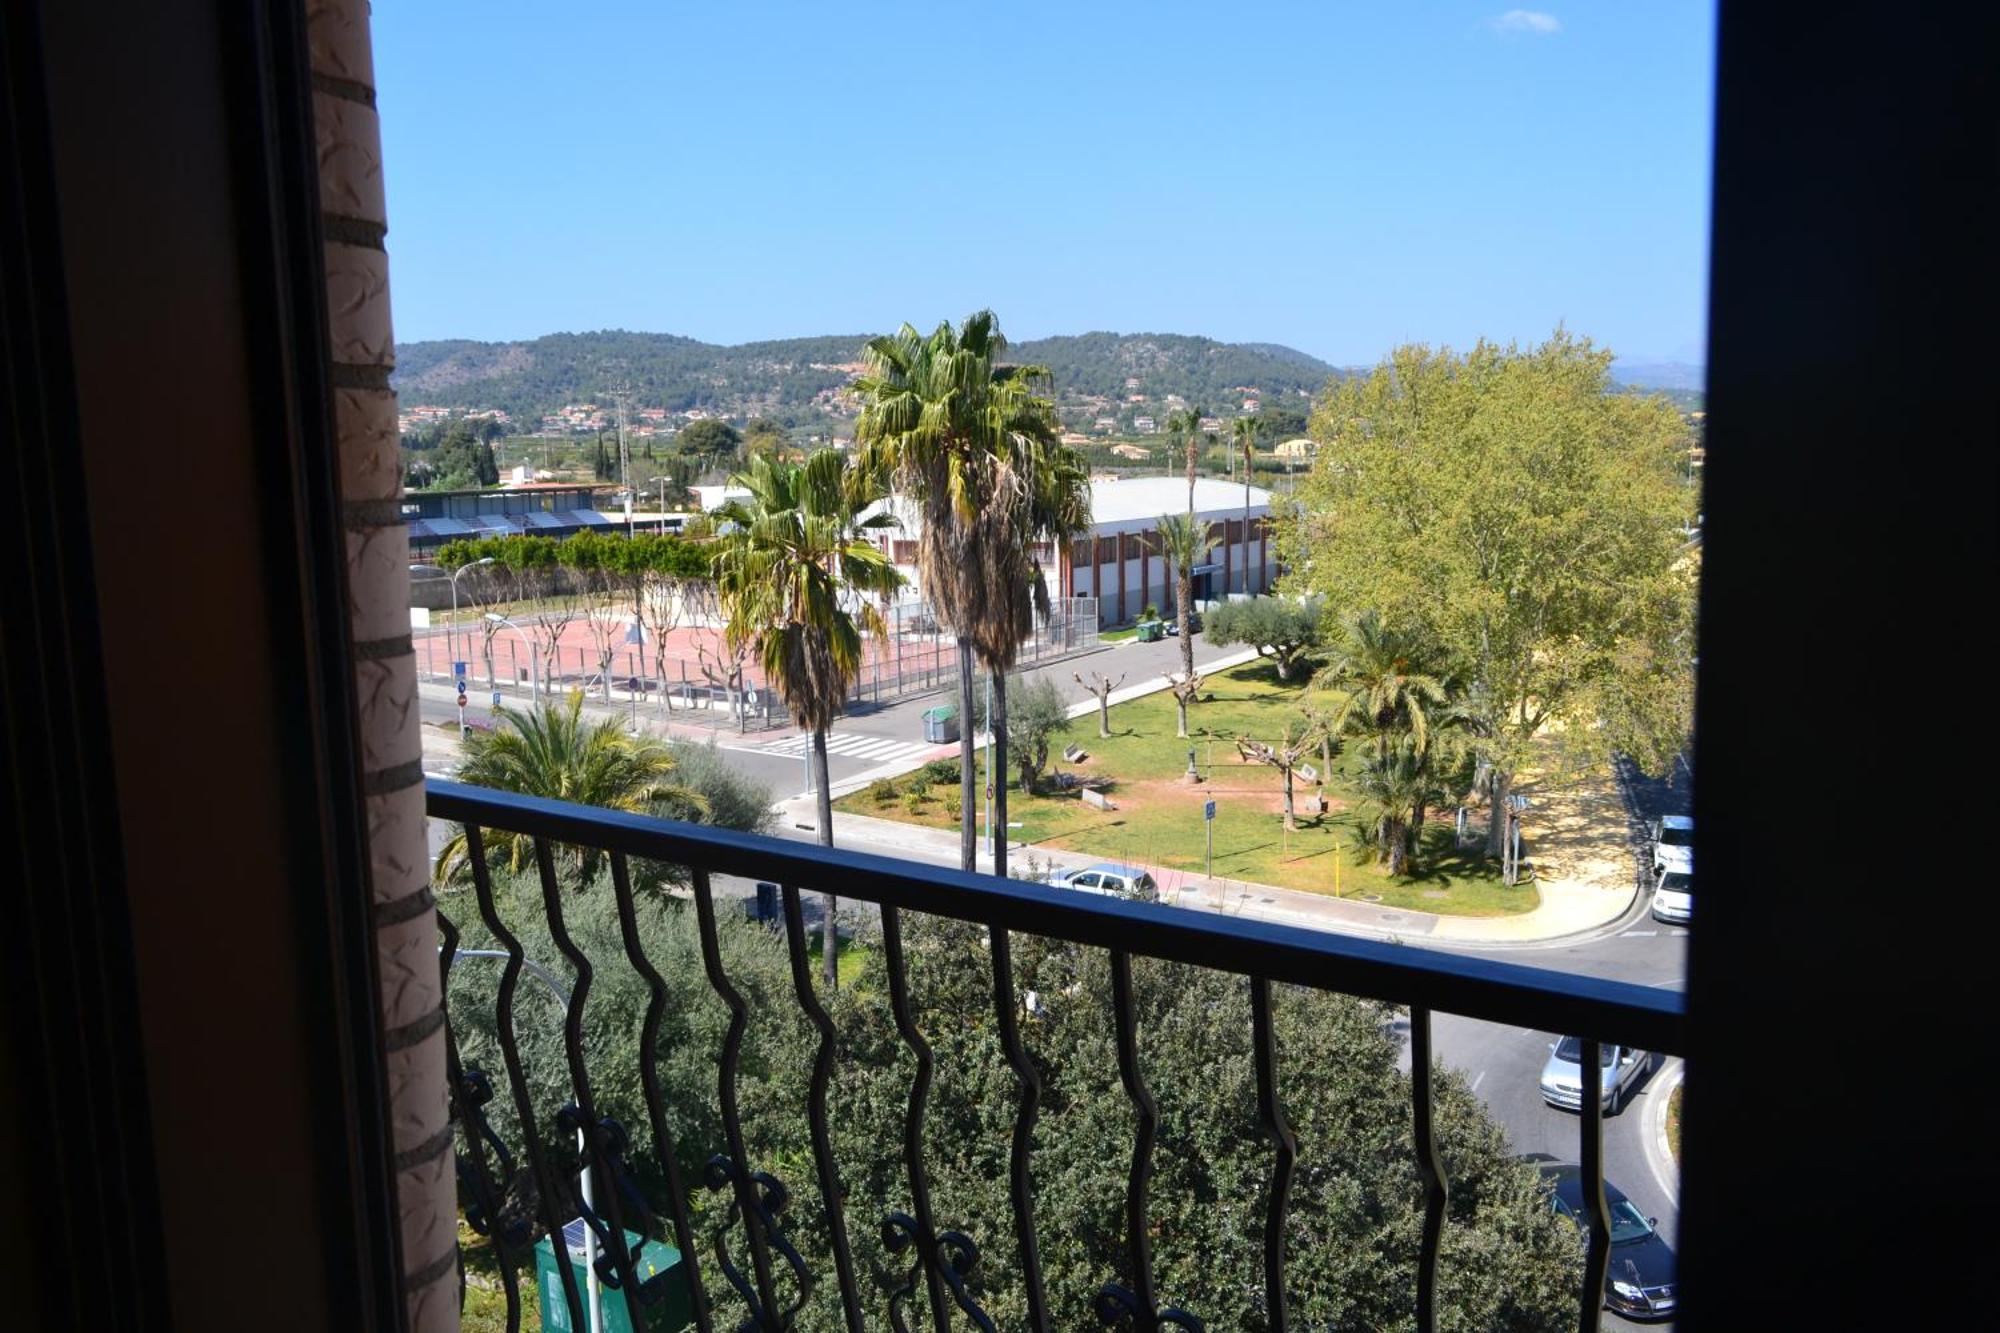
<point>668,1304</point>
<point>1151,631</point>
<point>941,724</point>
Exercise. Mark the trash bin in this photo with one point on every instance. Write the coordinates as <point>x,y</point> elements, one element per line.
<point>668,1304</point>
<point>1151,631</point>
<point>941,724</point>
<point>767,901</point>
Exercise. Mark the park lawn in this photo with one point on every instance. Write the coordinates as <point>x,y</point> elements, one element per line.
<point>1158,820</point>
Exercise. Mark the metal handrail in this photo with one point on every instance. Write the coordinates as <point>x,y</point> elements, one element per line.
<point>1400,974</point>
<point>1423,980</point>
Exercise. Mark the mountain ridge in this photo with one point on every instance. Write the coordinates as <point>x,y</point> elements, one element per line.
<point>799,381</point>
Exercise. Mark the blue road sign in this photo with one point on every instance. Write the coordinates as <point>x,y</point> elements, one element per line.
<point>1208,811</point>
<point>496,698</point>
<point>458,669</point>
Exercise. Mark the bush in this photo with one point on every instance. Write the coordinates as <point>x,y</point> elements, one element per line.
<point>920,790</point>
<point>942,772</point>
<point>913,801</point>
<point>883,791</point>
<point>734,800</point>
<point>1150,613</point>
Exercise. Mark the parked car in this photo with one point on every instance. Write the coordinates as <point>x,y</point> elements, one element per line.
<point>1673,896</point>
<point>1194,623</point>
<point>1622,1069</point>
<point>1107,877</point>
<point>1673,842</point>
<point>1640,1282</point>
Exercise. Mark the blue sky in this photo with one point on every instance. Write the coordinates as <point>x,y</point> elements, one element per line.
<point>1337,177</point>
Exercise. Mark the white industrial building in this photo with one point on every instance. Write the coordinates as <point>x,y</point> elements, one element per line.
<point>1119,562</point>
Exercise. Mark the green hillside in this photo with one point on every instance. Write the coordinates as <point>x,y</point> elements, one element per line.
<point>793,380</point>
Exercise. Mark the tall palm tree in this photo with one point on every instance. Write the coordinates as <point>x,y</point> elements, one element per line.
<point>953,430</point>
<point>1185,427</point>
<point>551,751</point>
<point>1182,542</point>
<point>1245,432</point>
<point>794,574</point>
<point>1052,502</point>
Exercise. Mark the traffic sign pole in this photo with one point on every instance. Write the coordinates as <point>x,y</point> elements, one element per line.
<point>1208,830</point>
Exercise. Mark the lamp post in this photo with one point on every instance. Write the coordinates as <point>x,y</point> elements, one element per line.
<point>558,1243</point>
<point>432,571</point>
<point>534,667</point>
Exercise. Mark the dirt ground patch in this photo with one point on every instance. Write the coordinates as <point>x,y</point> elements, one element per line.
<point>1578,831</point>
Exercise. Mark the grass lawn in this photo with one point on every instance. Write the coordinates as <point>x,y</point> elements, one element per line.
<point>1674,1122</point>
<point>1158,820</point>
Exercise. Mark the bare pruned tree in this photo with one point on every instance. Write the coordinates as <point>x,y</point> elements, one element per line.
<point>1101,685</point>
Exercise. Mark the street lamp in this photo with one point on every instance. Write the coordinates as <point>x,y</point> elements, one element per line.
<point>534,667</point>
<point>433,571</point>
<point>558,1243</point>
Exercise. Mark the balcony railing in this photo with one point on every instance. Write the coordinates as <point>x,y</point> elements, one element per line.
<point>727,1293</point>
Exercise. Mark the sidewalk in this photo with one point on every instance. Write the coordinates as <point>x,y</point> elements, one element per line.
<point>1566,908</point>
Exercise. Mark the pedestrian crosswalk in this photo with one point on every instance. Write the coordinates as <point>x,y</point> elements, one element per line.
<point>853,745</point>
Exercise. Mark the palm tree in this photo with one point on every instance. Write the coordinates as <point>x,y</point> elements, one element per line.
<point>1392,681</point>
<point>1182,542</point>
<point>793,573</point>
<point>1186,428</point>
<point>1398,785</point>
<point>957,433</point>
<point>1052,502</point>
<point>1245,432</point>
<point>551,751</point>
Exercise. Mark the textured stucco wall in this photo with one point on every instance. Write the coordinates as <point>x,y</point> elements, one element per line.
<point>357,270</point>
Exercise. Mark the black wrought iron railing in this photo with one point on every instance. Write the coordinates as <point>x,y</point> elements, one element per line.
<point>768,1291</point>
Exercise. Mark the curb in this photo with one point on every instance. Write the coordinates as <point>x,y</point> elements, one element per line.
<point>1660,1154</point>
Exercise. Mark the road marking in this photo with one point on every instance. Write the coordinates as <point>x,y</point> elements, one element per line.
<point>1677,932</point>
<point>1477,1079</point>
<point>1640,934</point>
<point>850,745</point>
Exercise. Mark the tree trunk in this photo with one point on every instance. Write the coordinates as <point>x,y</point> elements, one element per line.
<point>1181,702</point>
<point>968,777</point>
<point>998,725</point>
<point>1500,803</point>
<point>1246,525</point>
<point>1291,816</point>
<point>829,936</point>
<point>1104,711</point>
<point>1184,594</point>
<point>1417,830</point>
<point>1395,844</point>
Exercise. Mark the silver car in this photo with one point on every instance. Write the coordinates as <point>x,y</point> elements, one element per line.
<point>1106,877</point>
<point>1562,1077</point>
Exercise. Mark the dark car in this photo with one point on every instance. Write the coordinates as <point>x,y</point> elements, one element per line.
<point>1640,1283</point>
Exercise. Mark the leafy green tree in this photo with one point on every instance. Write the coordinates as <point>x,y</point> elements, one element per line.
<point>796,573</point>
<point>552,751</point>
<point>1037,713</point>
<point>1277,627</point>
<point>964,437</point>
<point>1355,1226</point>
<point>462,460</point>
<point>1530,522</point>
<point>709,439</point>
